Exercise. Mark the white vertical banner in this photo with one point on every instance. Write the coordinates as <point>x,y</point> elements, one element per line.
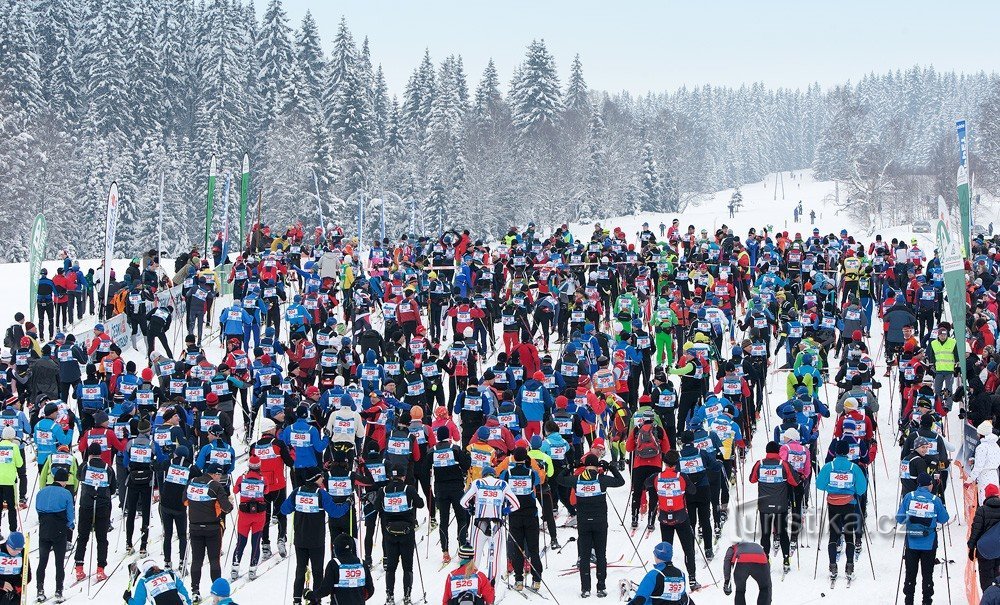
<point>110,229</point>
<point>225,219</point>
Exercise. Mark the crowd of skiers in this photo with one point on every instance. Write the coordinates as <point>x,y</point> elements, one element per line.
<point>506,389</point>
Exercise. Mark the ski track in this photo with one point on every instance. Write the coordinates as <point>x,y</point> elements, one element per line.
<point>760,209</point>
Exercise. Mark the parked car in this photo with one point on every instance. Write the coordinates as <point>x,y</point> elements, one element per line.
<point>921,227</point>
<point>979,230</point>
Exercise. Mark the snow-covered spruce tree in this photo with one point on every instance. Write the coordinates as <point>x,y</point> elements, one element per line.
<point>276,60</point>
<point>536,99</point>
<point>649,192</point>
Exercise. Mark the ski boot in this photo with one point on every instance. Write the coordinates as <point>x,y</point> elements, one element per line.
<point>793,546</point>
<point>786,565</point>
<point>635,523</point>
<point>554,544</point>
<point>693,585</point>
<point>389,599</point>
<point>519,585</point>
<point>23,503</point>
<point>282,550</point>
<point>265,551</point>
<point>718,532</point>
<point>129,550</point>
<point>234,573</point>
<point>167,565</point>
<point>709,555</point>
<point>80,575</point>
<point>58,597</point>
<point>196,597</point>
<point>41,597</point>
<point>650,525</point>
<point>445,558</point>
<point>536,585</point>
<point>584,594</point>
<point>434,523</point>
<point>100,576</point>
<point>849,571</point>
<point>601,592</point>
<point>143,553</point>
<point>833,572</point>
<point>571,522</point>
<point>253,573</point>
<point>407,600</point>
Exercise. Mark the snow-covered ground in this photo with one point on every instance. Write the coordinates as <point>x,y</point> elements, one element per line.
<point>760,209</point>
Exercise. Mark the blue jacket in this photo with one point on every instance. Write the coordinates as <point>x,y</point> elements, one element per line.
<point>841,476</point>
<point>52,288</point>
<point>218,444</point>
<point>534,400</point>
<point>55,499</point>
<point>308,444</point>
<point>921,511</point>
<point>70,357</point>
<point>49,435</point>
<point>139,595</point>
<point>234,320</point>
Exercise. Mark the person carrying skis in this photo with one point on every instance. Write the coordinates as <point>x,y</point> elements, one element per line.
<point>776,479</point>
<point>747,560</point>
<point>54,505</point>
<point>664,583</point>
<point>157,585</point>
<point>844,482</point>
<point>397,504</point>
<point>208,505</point>
<point>920,512</point>
<point>589,486</point>
<point>466,585</point>
<point>97,486</point>
<point>346,578</point>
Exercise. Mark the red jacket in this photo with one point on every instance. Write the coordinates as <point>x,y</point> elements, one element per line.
<point>656,461</point>
<point>665,486</point>
<point>274,457</point>
<point>61,284</point>
<point>245,519</point>
<point>110,443</point>
<point>480,581</point>
<point>408,309</point>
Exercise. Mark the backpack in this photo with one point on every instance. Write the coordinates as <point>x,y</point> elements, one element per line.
<point>988,545</point>
<point>647,446</point>
<point>9,340</point>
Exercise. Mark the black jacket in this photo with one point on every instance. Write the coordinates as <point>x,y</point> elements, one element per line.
<point>987,515</point>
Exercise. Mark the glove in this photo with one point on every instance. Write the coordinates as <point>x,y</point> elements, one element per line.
<point>727,588</point>
<point>972,554</point>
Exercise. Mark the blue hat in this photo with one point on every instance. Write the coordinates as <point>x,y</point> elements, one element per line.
<point>331,321</point>
<point>99,327</point>
<point>636,323</point>
<point>15,540</point>
<point>483,433</point>
<point>269,331</point>
<point>801,390</point>
<point>664,551</point>
<point>297,298</point>
<point>536,442</point>
<point>737,351</point>
<point>807,359</point>
<point>408,365</point>
<point>571,348</point>
<point>220,588</point>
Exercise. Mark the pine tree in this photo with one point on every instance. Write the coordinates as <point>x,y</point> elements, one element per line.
<point>56,38</point>
<point>107,90</point>
<point>649,195</point>
<point>20,83</point>
<point>577,96</point>
<point>309,54</point>
<point>146,94</point>
<point>274,52</point>
<point>595,193</point>
<point>535,97</point>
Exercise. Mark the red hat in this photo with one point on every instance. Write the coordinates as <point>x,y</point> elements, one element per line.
<point>312,391</point>
<point>561,402</point>
<point>909,346</point>
<point>538,375</point>
<point>599,442</point>
<point>522,443</point>
<point>441,412</point>
<point>25,341</point>
<point>254,463</point>
<point>645,398</point>
<point>147,374</point>
<point>212,399</point>
<point>265,359</point>
<point>992,490</point>
<point>856,336</point>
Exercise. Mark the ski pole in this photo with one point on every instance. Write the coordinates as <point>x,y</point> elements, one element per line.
<point>510,540</point>
<point>947,571</point>
<point>899,577</point>
<point>819,540</point>
<point>420,571</point>
<point>631,541</point>
<point>707,562</point>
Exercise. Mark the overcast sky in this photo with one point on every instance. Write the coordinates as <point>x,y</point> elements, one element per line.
<point>660,45</point>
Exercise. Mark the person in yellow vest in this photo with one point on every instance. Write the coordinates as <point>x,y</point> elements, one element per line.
<point>943,353</point>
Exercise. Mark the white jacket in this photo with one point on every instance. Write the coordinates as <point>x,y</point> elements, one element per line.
<point>985,465</point>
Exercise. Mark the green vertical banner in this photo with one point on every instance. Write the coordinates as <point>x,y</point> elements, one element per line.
<point>964,196</point>
<point>244,197</point>
<point>39,235</point>
<point>209,208</point>
<point>953,268</point>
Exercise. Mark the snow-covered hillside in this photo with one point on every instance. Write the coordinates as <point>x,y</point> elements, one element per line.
<point>883,551</point>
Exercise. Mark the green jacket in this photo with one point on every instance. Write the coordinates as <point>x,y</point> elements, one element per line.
<point>10,461</point>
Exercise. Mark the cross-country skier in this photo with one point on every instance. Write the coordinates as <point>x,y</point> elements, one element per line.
<point>920,512</point>
<point>664,583</point>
